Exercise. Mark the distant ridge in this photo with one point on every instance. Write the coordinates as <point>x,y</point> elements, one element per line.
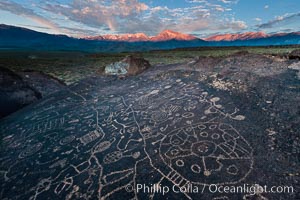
<point>141,37</point>
<point>246,36</point>
<point>137,37</point>
<point>172,35</point>
<point>12,37</point>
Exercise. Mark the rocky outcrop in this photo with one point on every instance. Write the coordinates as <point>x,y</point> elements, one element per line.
<point>14,92</point>
<point>129,66</point>
<point>295,54</point>
<point>41,82</point>
<point>23,88</point>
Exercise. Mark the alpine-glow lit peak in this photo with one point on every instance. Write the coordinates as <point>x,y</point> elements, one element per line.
<point>238,36</point>
<point>162,36</point>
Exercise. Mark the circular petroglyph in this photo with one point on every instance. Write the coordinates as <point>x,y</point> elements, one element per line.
<point>179,163</point>
<point>216,152</point>
<point>232,169</point>
<point>113,157</point>
<point>102,146</point>
<point>201,126</point>
<point>30,150</point>
<point>215,136</point>
<point>196,168</point>
<point>204,134</point>
<point>188,115</point>
<point>207,173</point>
<point>203,148</point>
<point>159,116</point>
<point>136,155</point>
<point>67,140</point>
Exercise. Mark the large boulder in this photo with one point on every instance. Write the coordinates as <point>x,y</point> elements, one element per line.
<point>295,54</point>
<point>128,66</point>
<point>18,89</point>
<point>14,92</point>
<point>41,82</point>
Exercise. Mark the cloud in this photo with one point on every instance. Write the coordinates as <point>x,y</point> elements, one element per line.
<point>235,25</point>
<point>80,32</point>
<point>225,1</point>
<point>266,6</point>
<point>280,21</point>
<point>99,13</point>
<point>18,9</point>
<point>123,16</point>
<point>257,19</point>
<point>32,26</point>
<point>220,9</point>
<point>78,17</point>
<point>197,1</point>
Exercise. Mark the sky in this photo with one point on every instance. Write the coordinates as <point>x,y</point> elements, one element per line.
<point>202,18</point>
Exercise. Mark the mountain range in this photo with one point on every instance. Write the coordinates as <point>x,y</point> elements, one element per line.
<point>12,37</point>
<point>237,36</point>
<point>172,35</point>
<point>142,37</point>
<point>246,36</point>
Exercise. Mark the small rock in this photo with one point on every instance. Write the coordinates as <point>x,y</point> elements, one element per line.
<point>295,54</point>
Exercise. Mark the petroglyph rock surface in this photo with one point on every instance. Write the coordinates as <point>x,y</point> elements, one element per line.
<point>101,137</point>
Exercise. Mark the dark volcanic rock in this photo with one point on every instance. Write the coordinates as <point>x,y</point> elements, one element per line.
<point>129,66</point>
<point>14,92</point>
<point>42,82</point>
<point>23,88</point>
<point>101,137</point>
<point>295,54</point>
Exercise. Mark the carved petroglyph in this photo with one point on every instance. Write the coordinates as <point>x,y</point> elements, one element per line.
<point>93,151</point>
<point>91,136</point>
<point>215,148</point>
<point>67,140</point>
<point>103,146</point>
<point>30,150</point>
